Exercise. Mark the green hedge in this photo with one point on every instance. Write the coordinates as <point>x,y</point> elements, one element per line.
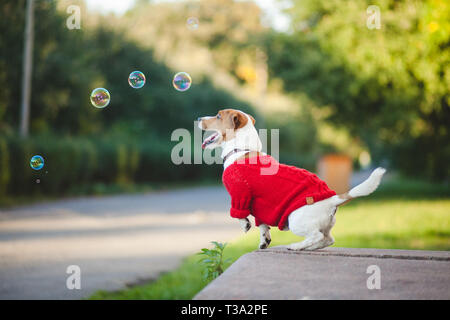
<point>74,163</point>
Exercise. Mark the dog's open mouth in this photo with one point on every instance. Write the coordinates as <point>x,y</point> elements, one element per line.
<point>211,139</point>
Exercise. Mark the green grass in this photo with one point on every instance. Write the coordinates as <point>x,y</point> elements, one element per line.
<point>400,215</point>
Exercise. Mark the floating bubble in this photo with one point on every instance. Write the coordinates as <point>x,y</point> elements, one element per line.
<point>38,180</point>
<point>192,23</point>
<point>182,81</point>
<point>37,162</point>
<point>136,79</point>
<point>100,97</point>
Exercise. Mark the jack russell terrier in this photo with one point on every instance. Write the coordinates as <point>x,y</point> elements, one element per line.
<point>275,194</point>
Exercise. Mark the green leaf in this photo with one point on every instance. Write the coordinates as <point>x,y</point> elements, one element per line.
<point>207,260</point>
<point>213,260</point>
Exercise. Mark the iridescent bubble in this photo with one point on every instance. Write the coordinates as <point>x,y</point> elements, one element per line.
<point>136,79</point>
<point>182,81</point>
<point>38,180</point>
<point>192,23</point>
<point>37,162</point>
<point>100,97</point>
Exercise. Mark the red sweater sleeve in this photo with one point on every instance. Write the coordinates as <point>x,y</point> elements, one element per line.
<point>239,190</point>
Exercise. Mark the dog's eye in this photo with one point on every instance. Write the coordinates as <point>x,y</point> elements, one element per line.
<point>218,116</point>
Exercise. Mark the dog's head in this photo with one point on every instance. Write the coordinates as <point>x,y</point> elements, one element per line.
<point>227,125</point>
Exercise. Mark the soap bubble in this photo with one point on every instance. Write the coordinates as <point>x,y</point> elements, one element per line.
<point>182,81</point>
<point>136,79</point>
<point>192,23</point>
<point>100,97</point>
<point>38,180</point>
<point>37,162</point>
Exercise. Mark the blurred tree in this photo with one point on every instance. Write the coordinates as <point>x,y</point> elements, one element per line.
<point>69,64</point>
<point>127,141</point>
<point>225,42</point>
<point>389,86</point>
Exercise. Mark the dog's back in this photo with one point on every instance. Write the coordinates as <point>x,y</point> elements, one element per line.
<point>274,196</point>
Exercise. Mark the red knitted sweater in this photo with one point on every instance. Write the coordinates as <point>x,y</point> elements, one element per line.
<point>271,198</point>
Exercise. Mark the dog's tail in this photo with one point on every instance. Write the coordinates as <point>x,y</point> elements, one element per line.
<point>363,189</point>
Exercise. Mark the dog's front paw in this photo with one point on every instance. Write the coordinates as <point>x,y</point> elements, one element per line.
<point>265,243</point>
<point>265,238</point>
<point>245,224</point>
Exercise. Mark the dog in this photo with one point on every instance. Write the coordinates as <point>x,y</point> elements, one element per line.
<point>288,197</point>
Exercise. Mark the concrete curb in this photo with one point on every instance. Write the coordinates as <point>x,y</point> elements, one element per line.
<point>367,253</point>
<point>333,273</point>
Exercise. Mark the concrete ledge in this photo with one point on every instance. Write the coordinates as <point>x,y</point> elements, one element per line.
<point>333,273</point>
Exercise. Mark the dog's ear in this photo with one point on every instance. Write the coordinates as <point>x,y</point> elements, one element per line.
<point>253,119</point>
<point>239,119</point>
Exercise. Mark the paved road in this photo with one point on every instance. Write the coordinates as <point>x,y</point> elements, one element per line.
<point>115,240</point>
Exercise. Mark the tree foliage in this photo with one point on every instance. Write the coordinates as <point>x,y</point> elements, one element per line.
<point>127,141</point>
<point>388,86</point>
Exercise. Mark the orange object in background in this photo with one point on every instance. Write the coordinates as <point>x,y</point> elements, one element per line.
<point>336,170</point>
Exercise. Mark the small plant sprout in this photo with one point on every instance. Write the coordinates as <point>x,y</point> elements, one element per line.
<point>213,260</point>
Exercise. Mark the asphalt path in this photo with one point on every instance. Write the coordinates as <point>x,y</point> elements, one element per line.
<point>115,241</point>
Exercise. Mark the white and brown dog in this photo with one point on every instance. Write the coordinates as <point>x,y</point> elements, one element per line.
<point>234,131</point>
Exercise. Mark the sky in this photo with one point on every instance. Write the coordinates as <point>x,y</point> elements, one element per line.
<point>272,9</point>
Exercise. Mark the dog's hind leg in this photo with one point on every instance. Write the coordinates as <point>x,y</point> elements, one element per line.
<point>265,238</point>
<point>313,222</point>
<point>311,241</point>
<point>328,239</point>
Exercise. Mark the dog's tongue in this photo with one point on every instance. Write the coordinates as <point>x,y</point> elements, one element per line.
<point>208,140</point>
